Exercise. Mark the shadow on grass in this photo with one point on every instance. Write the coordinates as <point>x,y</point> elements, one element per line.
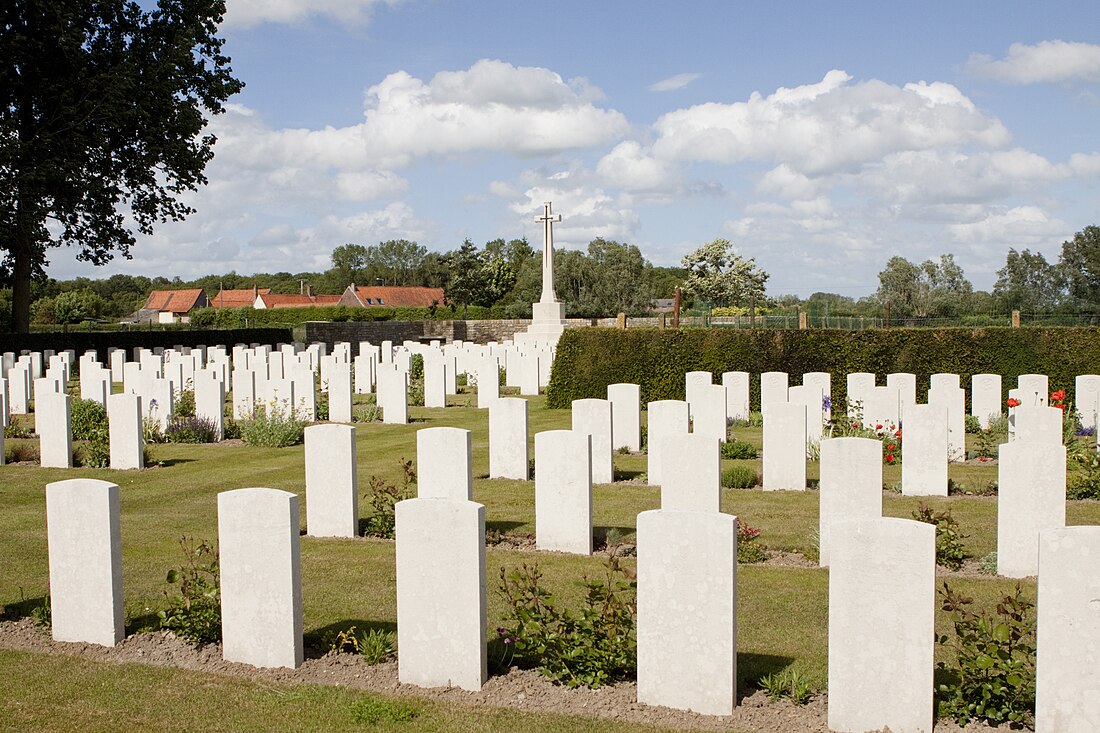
<point>751,667</point>
<point>142,622</point>
<point>627,474</point>
<point>604,536</point>
<point>22,608</point>
<point>319,641</point>
<point>502,526</point>
<point>168,462</point>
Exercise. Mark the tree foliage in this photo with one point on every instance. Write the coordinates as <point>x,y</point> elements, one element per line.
<point>720,276</point>
<point>102,111</point>
<point>1081,266</point>
<point>930,289</point>
<point>1028,283</point>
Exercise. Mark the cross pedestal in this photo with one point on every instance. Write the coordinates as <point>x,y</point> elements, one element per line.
<point>548,315</point>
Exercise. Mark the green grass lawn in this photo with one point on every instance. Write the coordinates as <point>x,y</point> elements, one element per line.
<point>781,610</point>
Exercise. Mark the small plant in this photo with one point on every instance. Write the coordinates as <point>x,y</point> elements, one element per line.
<point>345,640</point>
<point>21,453</point>
<point>383,497</point>
<point>16,429</point>
<point>988,564</point>
<point>320,406</point>
<point>950,551</point>
<point>87,417</point>
<point>96,452</point>
<point>184,405</point>
<point>973,424</point>
<point>789,684</point>
<point>231,429</point>
<point>623,450</point>
<point>151,432</point>
<point>369,412</point>
<point>42,614</point>
<point>191,430</point>
<point>273,426</point>
<point>747,550</point>
<point>738,450</point>
<point>196,612</point>
<point>739,477</point>
<point>416,367</point>
<point>813,551</point>
<point>756,419</point>
<point>994,672</point>
<point>589,647</point>
<point>416,392</point>
<point>377,646</point>
<point>1084,483</point>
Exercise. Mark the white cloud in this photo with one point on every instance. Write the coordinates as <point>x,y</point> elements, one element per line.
<point>1019,227</point>
<point>679,81</point>
<point>248,13</point>
<point>827,127</point>
<point>789,184</point>
<point>631,168</point>
<point>1047,61</point>
<point>587,212</point>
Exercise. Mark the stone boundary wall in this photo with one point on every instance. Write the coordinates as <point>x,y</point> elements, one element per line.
<point>480,332</point>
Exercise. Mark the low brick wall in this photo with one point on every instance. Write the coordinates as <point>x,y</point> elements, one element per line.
<point>479,332</point>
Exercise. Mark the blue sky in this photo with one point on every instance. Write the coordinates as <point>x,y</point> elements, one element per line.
<point>820,138</point>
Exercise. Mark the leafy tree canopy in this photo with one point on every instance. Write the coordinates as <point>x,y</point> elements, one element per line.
<point>722,277</point>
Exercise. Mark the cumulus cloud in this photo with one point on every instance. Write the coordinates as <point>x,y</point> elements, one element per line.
<point>1048,61</point>
<point>827,127</point>
<point>628,166</point>
<point>248,13</point>
<point>679,81</point>
<point>587,211</point>
<point>1019,227</point>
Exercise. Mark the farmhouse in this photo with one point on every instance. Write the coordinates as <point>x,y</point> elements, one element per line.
<point>390,296</point>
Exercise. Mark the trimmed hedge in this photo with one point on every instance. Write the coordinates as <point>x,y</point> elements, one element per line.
<point>103,340</point>
<point>589,359</point>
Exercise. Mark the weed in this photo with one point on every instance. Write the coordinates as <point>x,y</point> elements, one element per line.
<point>383,496</point>
<point>747,550</point>
<point>15,429</point>
<point>950,551</point>
<point>590,647</point>
<point>988,564</point>
<point>191,430</point>
<point>973,424</point>
<point>789,684</point>
<point>756,419</point>
<point>22,453</point>
<point>273,426</point>
<point>994,673</point>
<point>96,452</point>
<point>737,450</point>
<point>195,614</point>
<point>369,412</point>
<point>1084,483</point>
<point>739,477</point>
<point>184,405</point>
<point>87,418</point>
<point>377,646</point>
<point>624,450</point>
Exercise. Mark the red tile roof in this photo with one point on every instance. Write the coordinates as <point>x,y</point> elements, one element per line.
<point>176,301</point>
<point>295,300</point>
<point>388,296</point>
<point>237,298</point>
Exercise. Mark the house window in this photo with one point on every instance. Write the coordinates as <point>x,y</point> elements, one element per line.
<point>380,302</point>
<point>369,301</point>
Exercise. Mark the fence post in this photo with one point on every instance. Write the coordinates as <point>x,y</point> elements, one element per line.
<point>802,320</point>
<point>1015,319</point>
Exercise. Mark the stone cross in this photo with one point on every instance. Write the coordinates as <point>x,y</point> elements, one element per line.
<point>548,220</point>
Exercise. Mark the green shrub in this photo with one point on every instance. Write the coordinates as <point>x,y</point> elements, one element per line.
<point>191,430</point>
<point>739,477</point>
<point>950,551</point>
<point>756,419</point>
<point>96,451</point>
<point>383,496</point>
<point>589,647</point>
<point>87,417</point>
<point>738,450</point>
<point>195,613</point>
<point>973,424</point>
<point>320,406</point>
<point>993,677</point>
<point>416,367</point>
<point>988,564</point>
<point>787,684</point>
<point>377,646</point>
<point>184,405</point>
<point>272,427</point>
<point>747,550</point>
<point>1084,482</point>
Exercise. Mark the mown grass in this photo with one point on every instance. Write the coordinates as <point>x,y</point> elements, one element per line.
<point>781,611</point>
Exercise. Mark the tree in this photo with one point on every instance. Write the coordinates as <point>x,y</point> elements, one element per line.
<point>74,306</point>
<point>720,276</point>
<point>1080,264</point>
<point>102,107</point>
<point>619,283</point>
<point>349,261</point>
<point>930,289</point>
<point>1028,283</point>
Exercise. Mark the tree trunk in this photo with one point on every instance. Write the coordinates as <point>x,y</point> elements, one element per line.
<point>21,278</point>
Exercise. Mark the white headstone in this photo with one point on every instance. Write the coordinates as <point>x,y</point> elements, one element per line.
<point>1039,424</point>
<point>773,389</point>
<point>882,600</point>
<point>1033,389</point>
<point>508,453</point>
<point>488,382</point>
<point>1031,497</point>
<point>441,606</point>
<point>858,386</point>
<point>1067,669</point>
<point>881,408</point>
<point>809,396</point>
<point>666,418</point>
<point>1086,398</point>
<point>687,610</point>
<point>261,577</point>
<point>709,412</point>
<point>563,491</point>
<point>737,394</point>
<point>692,381</point>
<point>393,395</point>
<point>626,416</point>
<point>692,473</point>
<point>85,558</point>
<point>210,399</point>
<point>435,382</point>
<point>924,461</point>
<point>55,444</point>
<point>954,400</point>
<point>332,484</point>
<point>851,486</point>
<point>244,393</point>
<point>339,392</point>
<point>985,397</point>
<point>906,386</point>
<point>124,429</point>
<point>821,382</point>
<point>593,417</point>
<point>784,456</point>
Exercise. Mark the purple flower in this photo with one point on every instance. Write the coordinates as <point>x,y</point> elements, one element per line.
<point>507,641</point>
<point>826,403</point>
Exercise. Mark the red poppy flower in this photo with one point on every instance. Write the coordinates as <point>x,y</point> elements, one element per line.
<point>855,425</point>
<point>889,457</point>
<point>1059,395</point>
<point>1013,402</point>
<point>982,459</point>
<point>878,427</point>
<point>890,447</point>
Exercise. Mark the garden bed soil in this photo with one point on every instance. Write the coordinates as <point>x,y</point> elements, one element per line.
<point>518,689</point>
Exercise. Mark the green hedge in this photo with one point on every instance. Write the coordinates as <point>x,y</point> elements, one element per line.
<point>103,340</point>
<point>589,359</point>
<point>252,317</point>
